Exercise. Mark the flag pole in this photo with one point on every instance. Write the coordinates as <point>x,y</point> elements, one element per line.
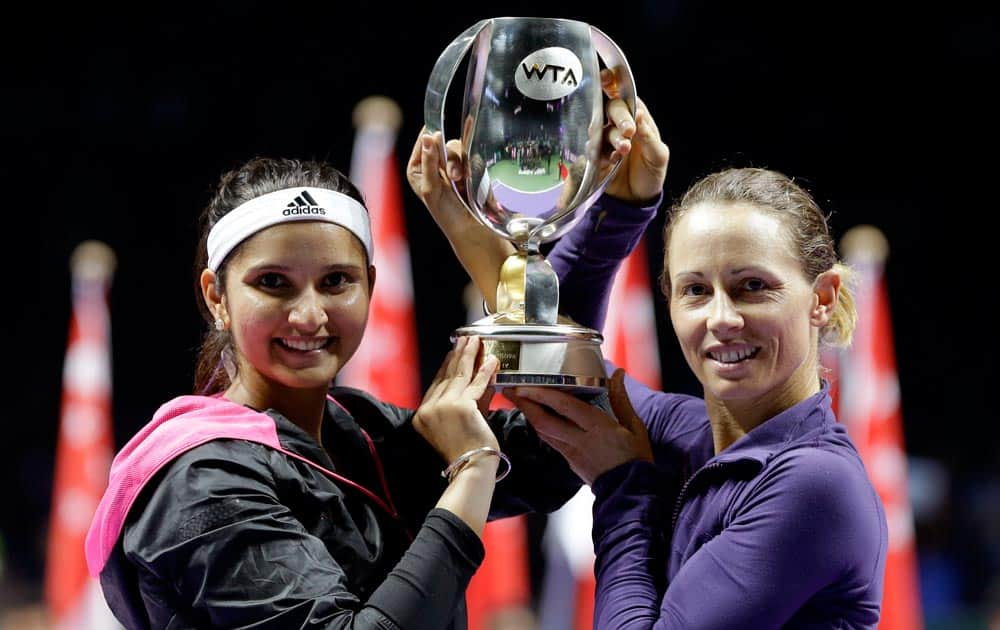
<point>869,406</point>
<point>85,442</point>
<point>386,364</point>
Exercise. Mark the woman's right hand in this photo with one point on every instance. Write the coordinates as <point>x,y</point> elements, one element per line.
<point>450,416</point>
<point>480,251</point>
<point>431,179</point>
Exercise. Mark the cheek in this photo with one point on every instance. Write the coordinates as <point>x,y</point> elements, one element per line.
<point>349,315</point>
<point>796,335</point>
<point>685,326</point>
<point>253,318</point>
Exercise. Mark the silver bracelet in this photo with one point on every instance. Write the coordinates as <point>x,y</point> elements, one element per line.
<point>462,460</point>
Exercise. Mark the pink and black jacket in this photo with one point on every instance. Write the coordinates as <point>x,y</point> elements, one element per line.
<point>218,515</point>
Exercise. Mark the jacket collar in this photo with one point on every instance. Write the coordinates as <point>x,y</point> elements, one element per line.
<point>794,425</point>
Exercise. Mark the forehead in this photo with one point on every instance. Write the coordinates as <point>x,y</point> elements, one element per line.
<point>302,243</point>
<point>737,232</point>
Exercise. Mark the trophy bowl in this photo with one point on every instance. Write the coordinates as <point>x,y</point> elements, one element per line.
<point>532,140</point>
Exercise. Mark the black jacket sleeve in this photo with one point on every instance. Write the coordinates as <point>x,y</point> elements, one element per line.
<point>215,546</point>
<point>540,479</point>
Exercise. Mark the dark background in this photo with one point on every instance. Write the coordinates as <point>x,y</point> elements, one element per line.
<point>115,125</point>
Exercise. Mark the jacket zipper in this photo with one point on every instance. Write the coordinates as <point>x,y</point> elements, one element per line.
<point>680,495</point>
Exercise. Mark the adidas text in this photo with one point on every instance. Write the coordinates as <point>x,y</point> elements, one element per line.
<point>303,210</point>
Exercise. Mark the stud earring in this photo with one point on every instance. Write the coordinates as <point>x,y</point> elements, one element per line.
<point>219,324</point>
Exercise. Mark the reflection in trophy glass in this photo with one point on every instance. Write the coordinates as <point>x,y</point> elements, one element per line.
<point>532,121</point>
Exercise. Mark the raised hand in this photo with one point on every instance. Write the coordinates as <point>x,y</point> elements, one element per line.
<point>430,178</point>
<point>636,142</point>
<point>449,417</point>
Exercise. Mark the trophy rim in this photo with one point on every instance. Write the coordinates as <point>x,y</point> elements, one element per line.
<point>530,332</point>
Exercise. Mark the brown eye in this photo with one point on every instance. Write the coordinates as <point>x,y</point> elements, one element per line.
<point>270,280</point>
<point>337,280</point>
<point>754,284</point>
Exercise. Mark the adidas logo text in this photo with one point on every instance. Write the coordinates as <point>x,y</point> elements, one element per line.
<point>303,204</point>
<point>303,210</point>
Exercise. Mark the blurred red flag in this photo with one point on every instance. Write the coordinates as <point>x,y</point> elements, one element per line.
<point>386,364</point>
<point>84,447</point>
<point>869,405</point>
<point>630,342</point>
<point>501,588</point>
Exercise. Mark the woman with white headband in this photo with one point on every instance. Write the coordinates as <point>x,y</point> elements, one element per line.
<point>271,500</point>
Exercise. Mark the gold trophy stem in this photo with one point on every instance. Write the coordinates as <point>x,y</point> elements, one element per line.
<point>510,288</point>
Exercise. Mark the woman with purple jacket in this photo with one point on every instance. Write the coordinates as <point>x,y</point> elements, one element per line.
<point>748,507</point>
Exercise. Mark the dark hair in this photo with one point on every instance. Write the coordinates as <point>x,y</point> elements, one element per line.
<point>257,177</point>
<point>806,224</point>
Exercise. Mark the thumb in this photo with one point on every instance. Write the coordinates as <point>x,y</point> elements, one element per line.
<point>620,403</point>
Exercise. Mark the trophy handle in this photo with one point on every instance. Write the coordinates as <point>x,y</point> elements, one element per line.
<point>437,86</point>
<point>614,59</point>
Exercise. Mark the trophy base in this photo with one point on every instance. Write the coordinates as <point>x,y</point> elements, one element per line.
<point>564,355</point>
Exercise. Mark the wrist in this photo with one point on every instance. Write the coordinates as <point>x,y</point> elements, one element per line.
<point>478,467</point>
<point>482,458</point>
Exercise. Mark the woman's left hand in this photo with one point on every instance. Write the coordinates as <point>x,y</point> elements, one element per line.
<point>451,415</point>
<point>636,141</point>
<point>591,441</point>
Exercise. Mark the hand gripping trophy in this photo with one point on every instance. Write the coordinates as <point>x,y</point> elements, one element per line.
<point>532,125</point>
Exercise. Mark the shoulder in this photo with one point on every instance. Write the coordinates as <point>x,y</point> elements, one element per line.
<point>367,409</point>
<point>836,509</point>
<point>827,490</point>
<point>219,463</point>
<point>211,485</point>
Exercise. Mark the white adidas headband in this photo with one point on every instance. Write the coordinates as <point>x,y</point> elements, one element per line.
<point>282,206</point>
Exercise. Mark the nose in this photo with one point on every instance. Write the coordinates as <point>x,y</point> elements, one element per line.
<point>308,313</point>
<point>723,315</point>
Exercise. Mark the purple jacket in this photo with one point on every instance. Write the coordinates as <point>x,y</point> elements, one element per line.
<point>783,528</point>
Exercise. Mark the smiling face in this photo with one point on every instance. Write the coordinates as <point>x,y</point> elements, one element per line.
<point>746,316</point>
<point>296,301</point>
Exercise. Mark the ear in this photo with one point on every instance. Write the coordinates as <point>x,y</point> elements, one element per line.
<point>210,292</point>
<point>826,293</point>
<point>371,281</point>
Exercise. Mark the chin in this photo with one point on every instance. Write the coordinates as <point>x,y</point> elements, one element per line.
<point>311,379</point>
<point>732,390</point>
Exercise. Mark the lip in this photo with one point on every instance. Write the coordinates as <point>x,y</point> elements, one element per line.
<point>719,348</point>
<point>730,368</point>
<point>287,344</point>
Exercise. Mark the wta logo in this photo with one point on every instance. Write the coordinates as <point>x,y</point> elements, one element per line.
<point>303,204</point>
<point>548,74</point>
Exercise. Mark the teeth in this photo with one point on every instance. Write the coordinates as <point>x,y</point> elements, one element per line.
<point>298,344</point>
<point>731,356</point>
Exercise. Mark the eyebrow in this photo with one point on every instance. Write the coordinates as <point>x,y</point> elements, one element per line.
<point>287,268</point>
<point>685,274</point>
<point>732,272</point>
